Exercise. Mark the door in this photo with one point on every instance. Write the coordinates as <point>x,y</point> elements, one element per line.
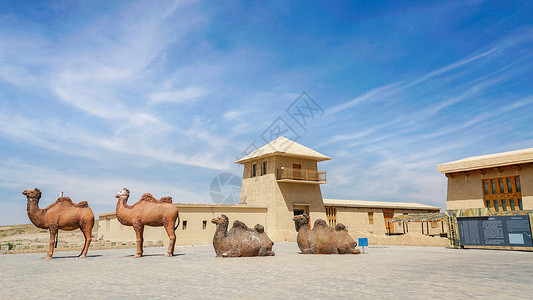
<point>297,171</point>
<point>388,214</point>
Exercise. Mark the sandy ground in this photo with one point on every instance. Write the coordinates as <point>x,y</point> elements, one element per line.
<point>195,273</point>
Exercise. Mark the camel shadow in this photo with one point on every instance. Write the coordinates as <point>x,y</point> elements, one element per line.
<point>154,255</point>
<point>75,256</point>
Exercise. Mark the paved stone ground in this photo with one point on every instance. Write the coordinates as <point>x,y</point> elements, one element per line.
<point>195,273</point>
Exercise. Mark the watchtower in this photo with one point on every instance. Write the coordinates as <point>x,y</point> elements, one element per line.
<point>284,175</point>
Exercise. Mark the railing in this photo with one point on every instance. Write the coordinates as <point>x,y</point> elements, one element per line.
<point>302,174</point>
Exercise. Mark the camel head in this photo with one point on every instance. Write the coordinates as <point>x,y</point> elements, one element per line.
<point>33,193</point>
<point>222,220</point>
<point>300,220</point>
<point>124,192</point>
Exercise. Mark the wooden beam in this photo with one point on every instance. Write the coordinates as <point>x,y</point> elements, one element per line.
<point>482,172</point>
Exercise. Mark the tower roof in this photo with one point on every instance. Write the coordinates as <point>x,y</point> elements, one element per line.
<point>285,147</point>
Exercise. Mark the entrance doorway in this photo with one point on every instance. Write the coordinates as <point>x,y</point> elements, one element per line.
<point>388,214</point>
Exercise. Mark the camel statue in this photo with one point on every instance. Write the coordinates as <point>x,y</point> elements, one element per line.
<point>148,211</point>
<point>240,241</point>
<point>64,215</point>
<point>323,239</point>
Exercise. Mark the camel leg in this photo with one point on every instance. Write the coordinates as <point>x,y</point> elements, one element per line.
<point>232,253</point>
<point>87,233</point>
<point>172,240</point>
<point>53,235</point>
<point>309,251</point>
<point>139,231</point>
<point>263,251</point>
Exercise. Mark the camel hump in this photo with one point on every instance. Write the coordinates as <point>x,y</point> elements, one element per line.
<point>64,199</point>
<point>69,201</point>
<point>259,228</point>
<point>340,227</point>
<point>148,198</point>
<point>166,200</point>
<point>82,204</point>
<point>320,223</point>
<point>239,224</point>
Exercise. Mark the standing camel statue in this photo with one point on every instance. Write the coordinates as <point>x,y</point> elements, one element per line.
<point>64,215</point>
<point>151,212</point>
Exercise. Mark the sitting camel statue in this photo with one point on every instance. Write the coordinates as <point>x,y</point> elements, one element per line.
<point>148,211</point>
<point>240,241</point>
<point>64,215</point>
<point>323,239</point>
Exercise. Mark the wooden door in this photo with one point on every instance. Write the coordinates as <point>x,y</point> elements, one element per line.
<point>388,214</point>
<point>297,171</point>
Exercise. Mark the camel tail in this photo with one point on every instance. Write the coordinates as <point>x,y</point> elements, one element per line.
<point>178,223</point>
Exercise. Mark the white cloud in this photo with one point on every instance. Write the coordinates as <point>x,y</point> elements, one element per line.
<point>178,96</point>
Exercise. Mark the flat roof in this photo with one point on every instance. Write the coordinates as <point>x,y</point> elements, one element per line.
<point>488,161</point>
<point>284,146</point>
<point>203,205</point>
<point>378,204</point>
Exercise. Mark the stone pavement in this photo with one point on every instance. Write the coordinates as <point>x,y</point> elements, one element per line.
<point>195,273</point>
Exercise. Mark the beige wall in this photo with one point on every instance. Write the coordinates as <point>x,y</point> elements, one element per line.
<point>280,199</point>
<point>465,190</point>
<point>110,229</point>
<point>357,220</point>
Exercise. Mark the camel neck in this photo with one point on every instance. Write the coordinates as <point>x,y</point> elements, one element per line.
<point>222,229</point>
<point>121,207</point>
<point>34,212</point>
<point>122,203</point>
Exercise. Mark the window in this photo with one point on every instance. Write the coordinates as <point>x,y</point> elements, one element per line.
<point>204,224</point>
<point>331,213</point>
<point>520,204</point>
<point>184,225</point>
<point>509,185</point>
<point>254,170</point>
<point>265,167</point>
<point>501,193</point>
<point>370,218</point>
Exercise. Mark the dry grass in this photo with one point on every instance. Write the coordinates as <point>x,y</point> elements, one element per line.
<point>29,234</point>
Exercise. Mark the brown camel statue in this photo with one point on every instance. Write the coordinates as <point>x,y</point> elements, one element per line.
<point>240,241</point>
<point>151,212</point>
<point>64,215</point>
<point>323,239</point>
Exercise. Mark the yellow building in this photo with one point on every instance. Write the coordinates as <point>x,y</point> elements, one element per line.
<point>280,180</point>
<point>499,182</point>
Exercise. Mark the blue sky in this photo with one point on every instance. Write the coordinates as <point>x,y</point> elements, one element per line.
<point>97,96</point>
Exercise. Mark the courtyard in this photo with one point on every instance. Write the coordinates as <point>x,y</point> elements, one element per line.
<point>195,273</point>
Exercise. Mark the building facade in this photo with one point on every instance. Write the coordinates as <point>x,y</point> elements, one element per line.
<point>280,180</point>
<point>498,182</point>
